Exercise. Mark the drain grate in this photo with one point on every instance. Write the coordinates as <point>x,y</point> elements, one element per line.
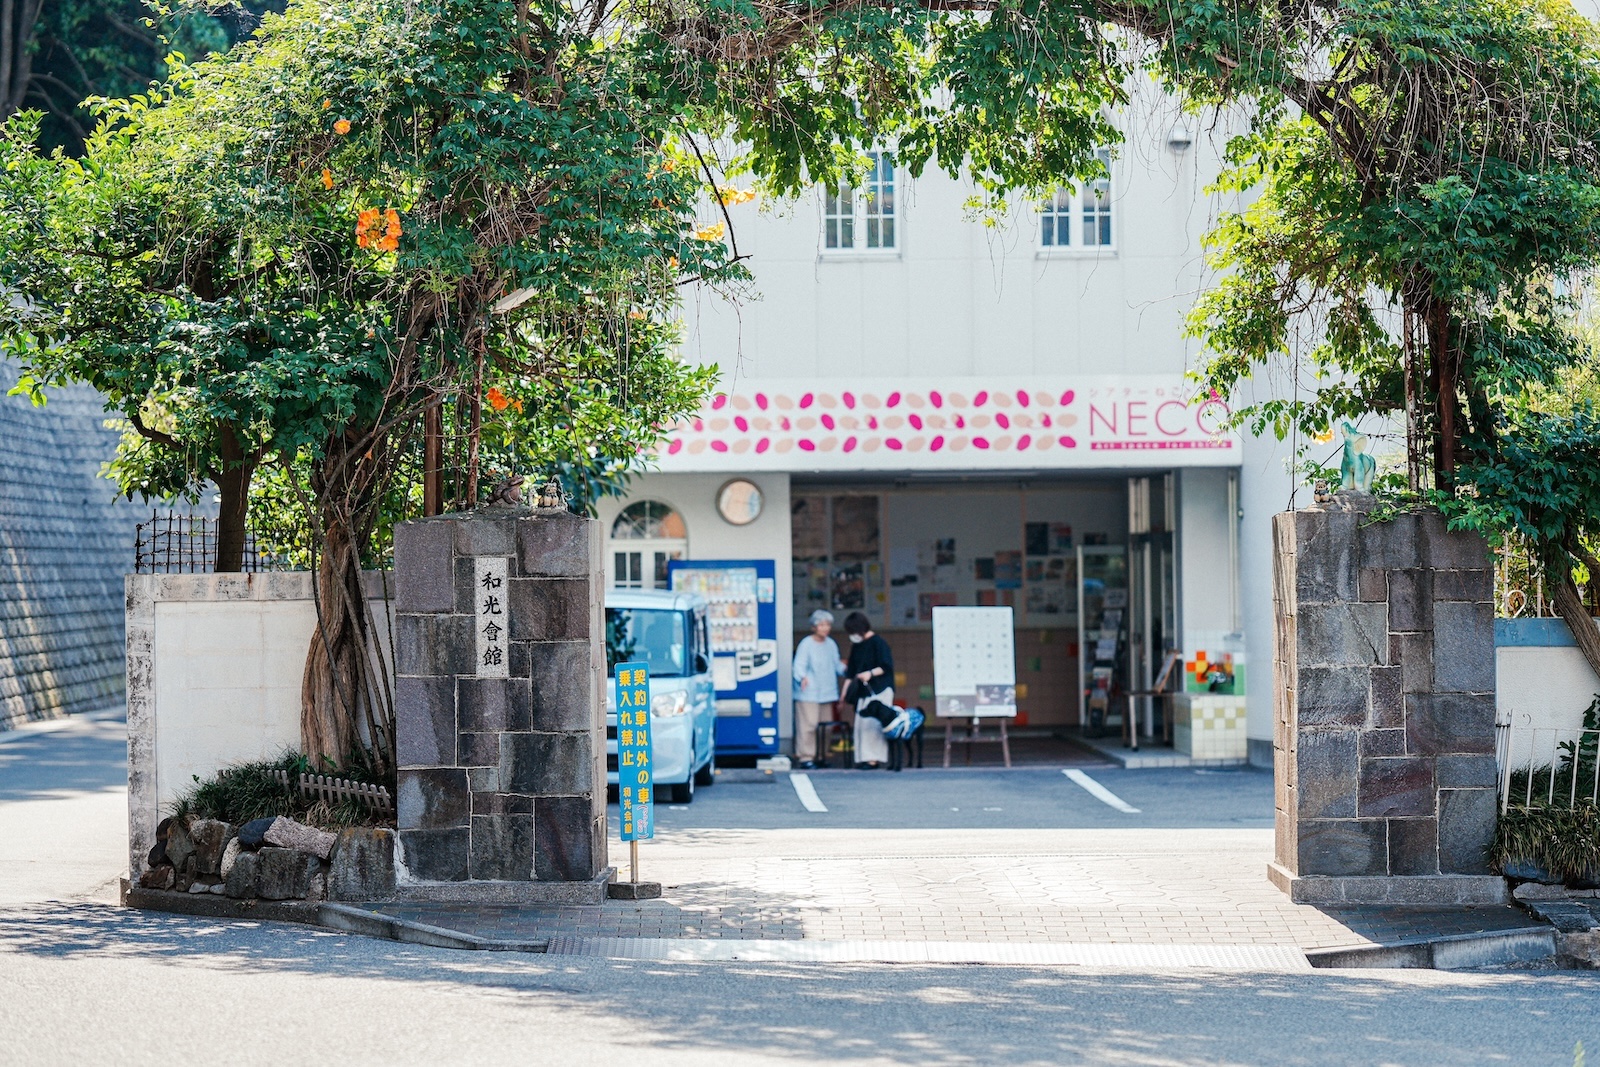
<point>1055,954</point>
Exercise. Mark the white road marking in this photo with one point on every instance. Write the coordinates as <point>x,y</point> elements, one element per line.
<point>1100,792</point>
<point>807,792</point>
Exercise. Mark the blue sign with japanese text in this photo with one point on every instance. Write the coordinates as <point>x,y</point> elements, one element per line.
<point>634,772</point>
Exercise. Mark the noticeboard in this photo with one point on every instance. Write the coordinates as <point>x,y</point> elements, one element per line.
<point>974,663</point>
<point>634,771</point>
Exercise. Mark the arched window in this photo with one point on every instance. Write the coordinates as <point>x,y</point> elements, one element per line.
<point>644,537</point>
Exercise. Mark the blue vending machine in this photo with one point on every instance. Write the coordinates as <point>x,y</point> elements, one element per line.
<point>743,614</point>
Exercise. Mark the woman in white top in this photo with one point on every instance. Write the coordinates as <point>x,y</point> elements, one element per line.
<point>817,668</point>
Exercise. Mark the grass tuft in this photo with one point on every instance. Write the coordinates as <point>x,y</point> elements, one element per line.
<point>248,791</point>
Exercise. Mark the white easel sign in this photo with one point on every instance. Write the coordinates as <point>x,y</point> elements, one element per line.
<point>974,663</point>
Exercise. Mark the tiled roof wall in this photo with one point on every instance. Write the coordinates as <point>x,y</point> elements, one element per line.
<point>65,543</point>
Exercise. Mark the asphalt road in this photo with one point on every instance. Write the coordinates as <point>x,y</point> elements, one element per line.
<point>84,981</point>
<point>1021,799</point>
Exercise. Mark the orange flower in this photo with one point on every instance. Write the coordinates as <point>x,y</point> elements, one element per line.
<point>391,220</point>
<point>326,104</point>
<point>341,127</point>
<point>327,178</point>
<point>364,222</point>
<point>713,232</point>
<point>518,405</point>
<point>388,244</point>
<point>497,399</point>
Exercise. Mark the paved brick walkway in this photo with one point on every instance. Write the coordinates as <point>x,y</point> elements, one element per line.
<point>1132,886</point>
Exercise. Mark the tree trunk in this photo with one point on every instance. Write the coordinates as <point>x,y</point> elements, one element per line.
<point>346,701</point>
<point>18,18</point>
<point>1569,604</point>
<point>233,485</point>
<point>334,689</point>
<point>1447,403</point>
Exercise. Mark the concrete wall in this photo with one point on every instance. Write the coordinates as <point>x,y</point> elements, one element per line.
<point>962,297</point>
<point>1542,680</point>
<point>214,663</point>
<point>65,543</point>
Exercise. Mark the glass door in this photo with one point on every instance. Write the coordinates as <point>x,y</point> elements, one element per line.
<point>1102,635</point>
<point>1153,613</point>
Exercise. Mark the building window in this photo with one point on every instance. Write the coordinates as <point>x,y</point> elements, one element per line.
<point>1097,207</point>
<point>645,536</point>
<point>1079,216</point>
<point>857,219</point>
<point>1055,220</point>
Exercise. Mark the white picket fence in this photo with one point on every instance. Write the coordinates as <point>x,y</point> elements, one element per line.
<point>332,790</point>
<point>1544,767</point>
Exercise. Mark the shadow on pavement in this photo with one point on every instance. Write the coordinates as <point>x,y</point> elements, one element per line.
<point>90,756</point>
<point>902,1014</point>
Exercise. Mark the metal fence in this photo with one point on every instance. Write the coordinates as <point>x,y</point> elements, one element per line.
<point>1520,587</point>
<point>1547,767</point>
<point>173,543</point>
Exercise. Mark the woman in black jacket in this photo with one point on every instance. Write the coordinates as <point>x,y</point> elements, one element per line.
<point>871,691</point>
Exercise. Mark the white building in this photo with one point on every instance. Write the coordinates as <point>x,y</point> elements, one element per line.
<point>940,411</point>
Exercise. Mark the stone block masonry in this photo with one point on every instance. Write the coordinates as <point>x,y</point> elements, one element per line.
<point>500,707</point>
<point>1384,708</point>
<point>65,543</point>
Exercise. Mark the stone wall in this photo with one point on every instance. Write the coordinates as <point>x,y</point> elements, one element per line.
<point>65,543</point>
<point>1385,708</point>
<point>502,779</point>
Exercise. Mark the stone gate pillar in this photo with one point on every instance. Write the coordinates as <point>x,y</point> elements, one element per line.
<point>1384,708</point>
<point>499,713</point>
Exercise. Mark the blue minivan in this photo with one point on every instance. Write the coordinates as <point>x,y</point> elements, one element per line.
<point>668,631</point>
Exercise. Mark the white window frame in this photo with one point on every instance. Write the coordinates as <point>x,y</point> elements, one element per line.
<point>859,212</point>
<point>1080,206</point>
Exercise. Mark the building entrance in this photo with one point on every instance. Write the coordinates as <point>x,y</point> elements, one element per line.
<point>1093,606</point>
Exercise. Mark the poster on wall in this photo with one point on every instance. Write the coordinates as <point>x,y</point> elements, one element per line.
<point>974,662</point>
<point>1008,570</point>
<point>927,602</point>
<point>902,586</point>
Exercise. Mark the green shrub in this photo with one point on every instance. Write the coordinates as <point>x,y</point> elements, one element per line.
<point>252,790</point>
<point>1564,841</point>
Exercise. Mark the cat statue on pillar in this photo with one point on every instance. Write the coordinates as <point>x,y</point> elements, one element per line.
<point>1357,469</point>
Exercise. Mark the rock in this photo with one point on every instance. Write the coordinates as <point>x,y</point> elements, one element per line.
<point>1582,949</point>
<point>362,865</point>
<point>286,833</point>
<point>160,877</point>
<point>219,889</point>
<point>253,833</point>
<point>1523,871</point>
<point>1540,891</point>
<point>210,838</point>
<point>185,876</point>
<point>229,856</point>
<point>285,873</point>
<point>180,847</point>
<point>241,881</point>
<point>319,887</point>
<point>199,887</point>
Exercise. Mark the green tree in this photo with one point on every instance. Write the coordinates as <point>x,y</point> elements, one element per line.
<point>374,212</point>
<point>1419,204</point>
<point>296,251</point>
<point>54,56</point>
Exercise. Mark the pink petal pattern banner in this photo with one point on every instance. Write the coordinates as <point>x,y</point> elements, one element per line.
<point>960,423</point>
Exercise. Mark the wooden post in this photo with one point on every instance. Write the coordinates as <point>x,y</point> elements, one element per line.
<point>433,457</point>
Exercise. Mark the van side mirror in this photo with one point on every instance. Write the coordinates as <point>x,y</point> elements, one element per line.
<point>701,664</point>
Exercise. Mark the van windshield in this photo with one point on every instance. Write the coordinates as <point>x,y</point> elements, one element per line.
<point>657,637</point>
